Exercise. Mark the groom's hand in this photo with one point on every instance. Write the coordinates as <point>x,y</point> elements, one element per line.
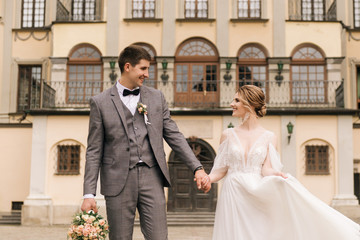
<point>89,204</point>
<point>199,175</point>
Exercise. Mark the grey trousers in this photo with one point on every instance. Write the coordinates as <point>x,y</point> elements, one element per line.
<point>143,190</point>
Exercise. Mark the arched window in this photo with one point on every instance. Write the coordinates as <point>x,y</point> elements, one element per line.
<point>196,74</point>
<point>252,66</point>
<point>151,81</point>
<point>84,77</point>
<point>308,75</point>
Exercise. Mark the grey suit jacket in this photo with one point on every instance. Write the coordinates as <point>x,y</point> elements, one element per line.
<point>108,149</point>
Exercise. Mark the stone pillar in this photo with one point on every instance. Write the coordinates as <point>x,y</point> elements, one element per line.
<point>5,60</point>
<point>169,26</point>
<point>288,148</point>
<point>345,178</point>
<point>222,28</point>
<point>112,28</point>
<point>37,208</point>
<point>279,40</point>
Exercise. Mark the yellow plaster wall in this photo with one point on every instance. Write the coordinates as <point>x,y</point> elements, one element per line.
<point>147,32</point>
<point>316,33</point>
<point>217,129</point>
<point>317,127</point>
<point>131,32</point>
<point>65,189</point>
<point>186,30</point>
<point>31,48</point>
<point>1,53</point>
<point>15,160</point>
<point>273,124</point>
<point>67,36</point>
<point>243,33</point>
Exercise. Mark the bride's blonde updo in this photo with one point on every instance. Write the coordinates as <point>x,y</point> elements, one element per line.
<point>251,95</point>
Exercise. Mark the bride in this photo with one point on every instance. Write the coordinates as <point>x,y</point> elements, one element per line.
<point>258,201</point>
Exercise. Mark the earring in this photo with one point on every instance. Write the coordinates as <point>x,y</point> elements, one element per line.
<point>246,117</point>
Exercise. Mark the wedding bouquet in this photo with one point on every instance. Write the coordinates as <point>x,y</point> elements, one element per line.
<point>88,225</point>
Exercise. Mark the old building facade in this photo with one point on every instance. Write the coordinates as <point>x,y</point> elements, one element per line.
<point>56,54</point>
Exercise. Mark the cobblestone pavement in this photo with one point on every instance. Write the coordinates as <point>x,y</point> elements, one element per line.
<point>58,232</point>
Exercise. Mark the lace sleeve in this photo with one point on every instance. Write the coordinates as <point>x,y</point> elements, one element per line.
<point>220,167</point>
<point>275,159</point>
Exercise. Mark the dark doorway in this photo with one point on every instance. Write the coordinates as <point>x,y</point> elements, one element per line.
<point>184,195</point>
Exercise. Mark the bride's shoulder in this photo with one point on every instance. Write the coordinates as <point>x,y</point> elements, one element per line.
<point>225,134</point>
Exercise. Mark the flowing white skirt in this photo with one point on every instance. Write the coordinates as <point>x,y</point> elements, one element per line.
<point>251,207</point>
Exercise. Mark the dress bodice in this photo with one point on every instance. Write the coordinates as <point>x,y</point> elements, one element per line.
<point>239,160</point>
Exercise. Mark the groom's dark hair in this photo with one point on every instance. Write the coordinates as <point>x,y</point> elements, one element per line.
<point>132,54</point>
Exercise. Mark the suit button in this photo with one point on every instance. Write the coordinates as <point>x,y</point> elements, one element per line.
<point>127,149</point>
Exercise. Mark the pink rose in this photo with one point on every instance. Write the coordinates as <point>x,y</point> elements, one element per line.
<point>102,222</point>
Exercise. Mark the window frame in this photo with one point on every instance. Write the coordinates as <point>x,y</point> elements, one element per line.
<point>83,11</point>
<point>196,10</point>
<point>253,62</point>
<point>83,62</point>
<point>68,161</point>
<point>312,14</point>
<point>308,62</point>
<point>317,160</point>
<point>356,23</point>
<point>143,10</point>
<point>33,15</point>
<point>248,10</point>
<point>30,86</point>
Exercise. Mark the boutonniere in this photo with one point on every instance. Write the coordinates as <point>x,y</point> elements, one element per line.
<point>142,109</point>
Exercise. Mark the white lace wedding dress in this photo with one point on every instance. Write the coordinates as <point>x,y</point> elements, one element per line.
<point>253,207</point>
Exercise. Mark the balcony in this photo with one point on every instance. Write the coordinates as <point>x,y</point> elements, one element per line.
<point>75,95</point>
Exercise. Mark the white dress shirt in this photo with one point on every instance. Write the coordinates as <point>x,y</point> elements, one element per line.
<point>130,101</point>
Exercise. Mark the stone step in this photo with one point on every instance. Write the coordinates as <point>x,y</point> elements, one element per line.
<point>12,218</point>
<point>188,219</point>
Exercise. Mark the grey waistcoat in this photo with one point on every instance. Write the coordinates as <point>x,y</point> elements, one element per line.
<point>140,148</point>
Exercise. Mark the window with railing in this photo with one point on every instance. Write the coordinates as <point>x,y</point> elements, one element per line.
<point>252,66</point>
<point>152,80</point>
<point>33,13</point>
<point>84,78</point>
<point>308,75</point>
<point>317,159</point>
<point>68,159</point>
<point>78,10</point>
<point>249,8</point>
<point>143,8</point>
<point>196,74</point>
<point>196,8</point>
<point>357,13</point>
<point>29,86</point>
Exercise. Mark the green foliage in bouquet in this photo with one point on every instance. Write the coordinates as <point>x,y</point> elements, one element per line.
<point>87,226</point>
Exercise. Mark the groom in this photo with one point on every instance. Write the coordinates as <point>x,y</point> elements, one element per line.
<point>125,144</point>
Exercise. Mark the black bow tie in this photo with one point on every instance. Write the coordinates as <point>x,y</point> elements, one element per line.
<point>128,92</point>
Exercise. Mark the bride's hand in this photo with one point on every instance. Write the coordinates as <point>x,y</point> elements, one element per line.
<point>281,174</point>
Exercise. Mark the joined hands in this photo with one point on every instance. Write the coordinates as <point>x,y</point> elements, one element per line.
<point>202,180</point>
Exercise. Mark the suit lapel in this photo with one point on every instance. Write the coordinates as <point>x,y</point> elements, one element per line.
<point>119,106</point>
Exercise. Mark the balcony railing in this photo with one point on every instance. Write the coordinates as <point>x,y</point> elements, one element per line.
<point>70,95</point>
